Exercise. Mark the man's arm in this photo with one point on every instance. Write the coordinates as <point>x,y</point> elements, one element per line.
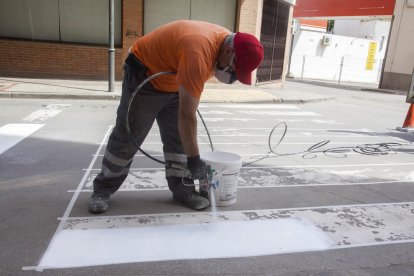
<point>187,122</point>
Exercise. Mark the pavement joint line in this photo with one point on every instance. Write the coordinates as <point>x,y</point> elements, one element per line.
<point>274,186</point>
<point>386,204</point>
<point>75,196</point>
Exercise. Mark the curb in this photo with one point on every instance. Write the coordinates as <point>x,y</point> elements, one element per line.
<point>58,96</point>
<point>62,96</point>
<point>349,87</point>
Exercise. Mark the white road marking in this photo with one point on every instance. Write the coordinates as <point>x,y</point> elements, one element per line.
<point>73,199</point>
<point>43,114</point>
<point>71,248</point>
<point>222,215</point>
<point>12,134</point>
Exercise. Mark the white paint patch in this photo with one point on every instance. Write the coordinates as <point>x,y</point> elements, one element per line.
<point>41,115</point>
<point>11,134</point>
<point>79,248</point>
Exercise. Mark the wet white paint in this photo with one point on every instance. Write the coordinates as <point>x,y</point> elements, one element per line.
<point>79,248</point>
<point>43,114</point>
<point>12,134</point>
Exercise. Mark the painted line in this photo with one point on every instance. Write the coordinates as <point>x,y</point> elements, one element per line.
<point>43,114</point>
<point>214,240</point>
<point>74,198</point>
<point>12,134</point>
<point>204,217</point>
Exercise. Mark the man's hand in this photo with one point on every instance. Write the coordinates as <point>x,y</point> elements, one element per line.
<point>197,168</point>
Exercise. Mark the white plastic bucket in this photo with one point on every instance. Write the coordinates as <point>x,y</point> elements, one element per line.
<point>226,169</point>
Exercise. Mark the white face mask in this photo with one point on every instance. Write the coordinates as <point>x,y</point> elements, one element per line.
<point>223,75</point>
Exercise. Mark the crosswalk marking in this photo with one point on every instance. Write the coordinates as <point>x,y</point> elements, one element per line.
<point>12,134</point>
<point>43,114</point>
<point>71,248</point>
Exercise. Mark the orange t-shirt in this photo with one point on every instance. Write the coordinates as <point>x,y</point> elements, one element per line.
<point>189,48</point>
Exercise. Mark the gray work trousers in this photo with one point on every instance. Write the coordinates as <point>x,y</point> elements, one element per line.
<point>149,105</point>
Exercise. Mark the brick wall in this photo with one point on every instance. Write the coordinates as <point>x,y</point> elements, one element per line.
<point>36,59</point>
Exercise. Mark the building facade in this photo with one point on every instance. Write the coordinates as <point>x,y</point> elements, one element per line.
<point>69,38</point>
<point>399,58</point>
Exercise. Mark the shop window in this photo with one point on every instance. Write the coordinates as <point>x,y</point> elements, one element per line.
<point>159,12</point>
<point>74,21</point>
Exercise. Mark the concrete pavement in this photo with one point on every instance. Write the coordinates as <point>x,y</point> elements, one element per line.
<point>236,93</point>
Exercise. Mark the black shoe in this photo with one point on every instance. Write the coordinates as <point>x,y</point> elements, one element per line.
<point>192,200</point>
<point>98,203</point>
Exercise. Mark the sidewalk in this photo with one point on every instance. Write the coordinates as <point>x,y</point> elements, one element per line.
<point>23,88</point>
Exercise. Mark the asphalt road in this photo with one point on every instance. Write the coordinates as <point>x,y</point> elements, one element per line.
<point>300,210</point>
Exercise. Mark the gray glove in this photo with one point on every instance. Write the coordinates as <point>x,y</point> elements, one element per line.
<point>197,168</point>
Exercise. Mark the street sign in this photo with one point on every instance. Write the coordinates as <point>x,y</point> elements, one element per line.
<point>410,94</point>
<point>371,56</point>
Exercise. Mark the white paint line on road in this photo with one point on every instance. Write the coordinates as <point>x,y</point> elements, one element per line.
<point>201,217</point>
<point>73,199</point>
<point>43,114</point>
<point>71,248</point>
<point>12,134</point>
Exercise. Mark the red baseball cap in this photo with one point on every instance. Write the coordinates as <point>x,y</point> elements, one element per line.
<point>249,55</point>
